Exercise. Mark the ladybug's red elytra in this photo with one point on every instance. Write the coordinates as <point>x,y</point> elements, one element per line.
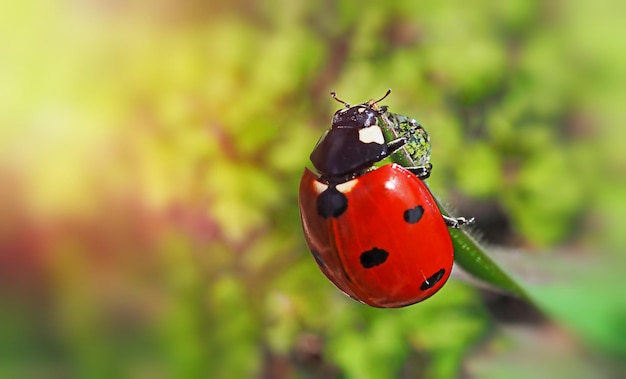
<point>376,233</point>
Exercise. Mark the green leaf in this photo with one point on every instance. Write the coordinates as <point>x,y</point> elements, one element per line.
<point>474,259</point>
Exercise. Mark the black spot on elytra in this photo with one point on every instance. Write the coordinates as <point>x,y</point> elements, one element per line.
<point>331,203</point>
<point>373,258</point>
<point>430,282</point>
<point>413,215</point>
<point>318,259</point>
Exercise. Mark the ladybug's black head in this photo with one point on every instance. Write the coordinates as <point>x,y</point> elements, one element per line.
<point>359,116</point>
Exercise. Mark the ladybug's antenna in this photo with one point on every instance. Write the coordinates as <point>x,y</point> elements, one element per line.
<point>334,95</point>
<point>383,98</point>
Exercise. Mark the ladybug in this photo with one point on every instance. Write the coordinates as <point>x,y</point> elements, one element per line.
<point>375,232</point>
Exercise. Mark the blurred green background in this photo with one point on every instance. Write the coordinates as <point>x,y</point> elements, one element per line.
<point>150,153</point>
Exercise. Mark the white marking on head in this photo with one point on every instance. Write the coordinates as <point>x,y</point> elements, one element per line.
<point>371,134</point>
<point>319,187</point>
<point>361,110</point>
<point>347,186</point>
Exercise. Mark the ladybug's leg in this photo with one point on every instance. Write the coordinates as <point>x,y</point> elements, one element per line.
<point>457,222</point>
<point>422,172</point>
<point>394,145</point>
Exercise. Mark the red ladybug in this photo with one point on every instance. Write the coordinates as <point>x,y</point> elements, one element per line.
<point>376,233</point>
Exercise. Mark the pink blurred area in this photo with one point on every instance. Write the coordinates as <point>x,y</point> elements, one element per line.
<point>104,126</point>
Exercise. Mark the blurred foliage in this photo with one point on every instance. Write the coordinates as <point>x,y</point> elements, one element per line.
<point>150,154</point>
